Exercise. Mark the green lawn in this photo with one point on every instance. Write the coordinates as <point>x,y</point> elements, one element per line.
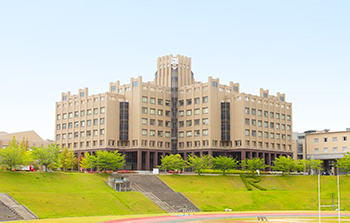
<point>216,193</point>
<point>54,195</point>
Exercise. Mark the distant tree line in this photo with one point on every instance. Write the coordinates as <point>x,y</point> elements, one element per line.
<point>52,157</point>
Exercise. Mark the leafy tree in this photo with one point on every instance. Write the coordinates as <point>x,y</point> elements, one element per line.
<point>299,166</point>
<point>14,155</point>
<point>172,162</point>
<point>67,158</point>
<point>283,164</point>
<point>86,161</point>
<point>312,164</point>
<point>224,163</point>
<point>198,163</point>
<point>47,156</point>
<point>108,160</point>
<point>254,164</point>
<point>344,163</point>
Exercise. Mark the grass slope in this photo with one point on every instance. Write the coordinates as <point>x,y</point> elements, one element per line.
<point>216,193</point>
<point>53,195</point>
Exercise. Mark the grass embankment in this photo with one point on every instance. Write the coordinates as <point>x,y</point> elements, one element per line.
<point>54,195</point>
<point>216,193</point>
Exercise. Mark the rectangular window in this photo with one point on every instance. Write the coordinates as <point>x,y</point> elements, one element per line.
<point>246,110</point>
<point>266,124</point>
<point>259,123</point>
<point>247,121</point>
<point>188,101</point>
<point>152,122</point>
<point>64,136</point>
<point>160,133</point>
<point>58,137</point>
<point>152,100</point>
<point>95,121</point>
<point>144,121</point>
<point>76,114</point>
<point>88,133</point>
<point>189,133</point>
<point>235,88</point>
<point>288,117</point>
<point>135,83</point>
<point>266,134</point>
<point>102,121</point>
<point>160,122</point>
<point>167,113</point>
<point>82,134</point>
<point>181,102</point>
<point>316,140</point>
<point>70,135</point>
<point>271,114</point>
<point>102,110</point>
<point>253,122</point>
<point>152,111</point>
<point>325,139</point>
<point>272,135</point>
<point>253,133</point>
<point>160,101</point>
<point>345,138</point>
<point>205,99</point>
<point>167,102</point>
<point>325,150</point>
<point>113,88</point>
<point>188,112</point>
<point>181,123</point>
<point>58,117</point>
<point>335,139</point>
<point>189,123</point>
<point>205,121</point>
<point>82,113</point>
<point>181,113</point>
<point>181,134</point>
<point>70,125</point>
<point>152,132</point>
<point>197,132</point>
<point>205,110</point>
<point>58,127</point>
<point>277,126</point>
<point>160,112</point>
<point>214,84</point>
<point>266,114</point>
<point>260,134</point>
<point>196,121</point>
<point>144,132</point>
<point>95,111</point>
<point>247,132</point>
<point>197,111</point>
<point>283,126</point>
<point>345,149</point>
<point>167,134</point>
<point>70,115</point>
<point>76,124</point>
<point>95,132</point>
<point>259,112</point>
<point>196,100</point>
<point>288,127</point>
<point>283,116</point>
<point>167,123</point>
<point>102,132</point>
<point>253,111</point>
<point>144,110</point>
<point>205,132</point>
<point>89,112</point>
<point>335,149</point>
<point>271,125</point>
<point>144,99</point>
<point>277,136</point>
<point>316,150</point>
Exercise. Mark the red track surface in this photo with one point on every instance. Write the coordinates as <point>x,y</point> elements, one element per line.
<point>181,218</point>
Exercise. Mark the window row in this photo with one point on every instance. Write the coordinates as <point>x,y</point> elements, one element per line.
<point>272,125</point>
<point>153,101</point>
<point>88,144</point>
<point>265,145</point>
<point>153,133</point>
<point>195,144</point>
<point>152,111</point>
<point>153,122</point>
<point>266,134</point>
<point>197,111</point>
<point>334,139</point>
<point>266,114</point>
<point>205,121</point>
<point>205,99</point>
<point>82,113</point>
<point>81,135</point>
<point>82,123</point>
<point>334,149</point>
<point>205,132</point>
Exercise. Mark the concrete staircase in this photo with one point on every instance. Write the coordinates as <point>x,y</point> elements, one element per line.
<point>160,193</point>
<point>21,211</point>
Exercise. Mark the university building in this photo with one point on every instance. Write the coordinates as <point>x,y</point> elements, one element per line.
<point>175,114</point>
<point>322,145</point>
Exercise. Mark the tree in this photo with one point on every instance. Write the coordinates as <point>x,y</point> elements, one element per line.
<point>224,163</point>
<point>283,164</point>
<point>299,166</point>
<point>254,164</point>
<point>86,161</point>
<point>108,160</point>
<point>67,158</point>
<point>344,163</point>
<point>14,155</point>
<point>172,162</point>
<point>47,156</point>
<point>198,163</point>
<point>312,165</point>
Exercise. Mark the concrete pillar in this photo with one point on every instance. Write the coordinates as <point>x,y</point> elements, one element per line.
<point>147,160</point>
<point>139,159</point>
<point>210,152</point>
<point>155,159</point>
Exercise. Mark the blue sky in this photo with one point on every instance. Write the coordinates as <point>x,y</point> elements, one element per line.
<point>297,47</point>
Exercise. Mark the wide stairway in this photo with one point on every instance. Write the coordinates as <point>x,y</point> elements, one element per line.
<point>160,193</point>
<point>11,210</point>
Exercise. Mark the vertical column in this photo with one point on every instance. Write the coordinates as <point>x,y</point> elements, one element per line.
<point>124,121</point>
<point>139,159</point>
<point>174,104</point>
<point>155,159</point>
<point>225,121</point>
<point>210,152</point>
<point>147,160</point>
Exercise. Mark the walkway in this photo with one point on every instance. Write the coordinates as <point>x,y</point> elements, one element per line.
<point>201,216</point>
